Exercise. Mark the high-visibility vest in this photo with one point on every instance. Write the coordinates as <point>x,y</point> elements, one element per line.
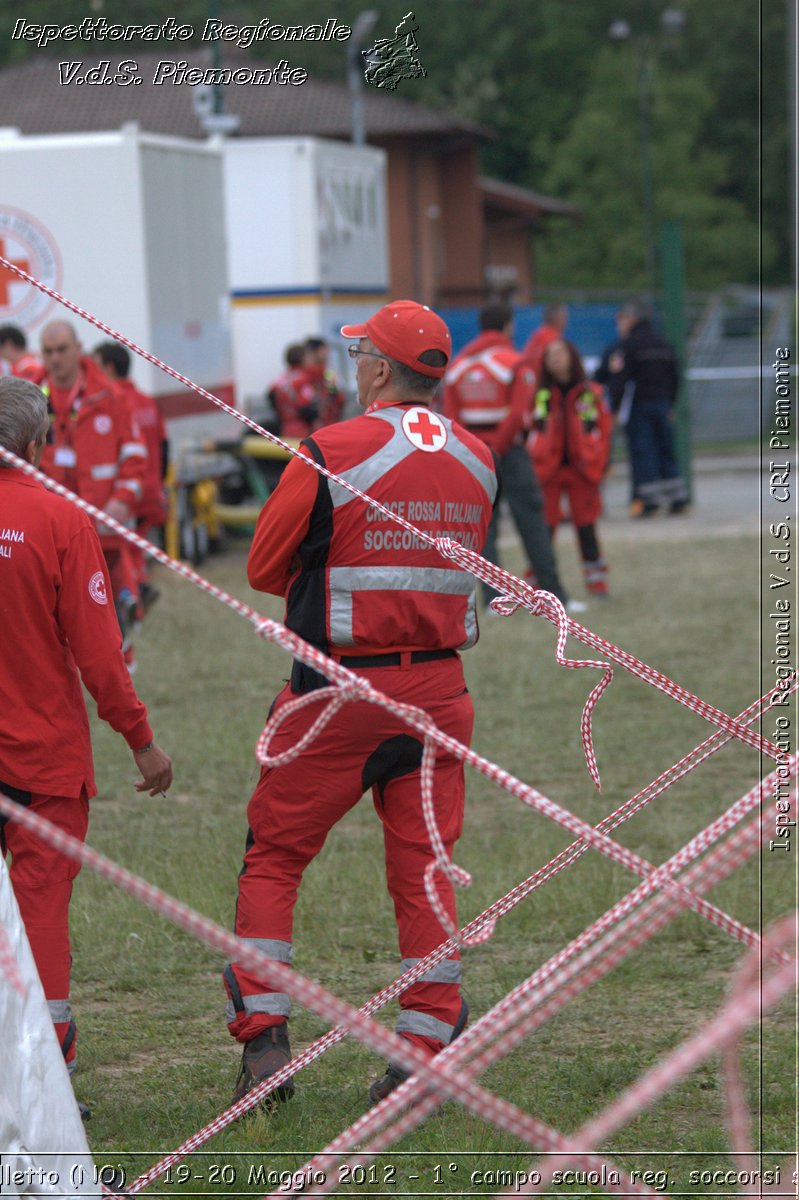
<point>364,581</point>
<point>481,385</point>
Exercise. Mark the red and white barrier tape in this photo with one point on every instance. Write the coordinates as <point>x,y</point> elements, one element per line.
<point>748,1002</point>
<point>515,1017</point>
<point>518,593</point>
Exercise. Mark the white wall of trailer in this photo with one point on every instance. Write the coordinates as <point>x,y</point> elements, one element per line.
<point>131,227</point>
<point>212,256</point>
<point>308,248</point>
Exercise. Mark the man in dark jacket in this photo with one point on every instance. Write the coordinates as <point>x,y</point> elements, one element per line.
<point>648,375</point>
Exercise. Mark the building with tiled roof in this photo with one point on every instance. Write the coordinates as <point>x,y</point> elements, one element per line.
<point>453,234</point>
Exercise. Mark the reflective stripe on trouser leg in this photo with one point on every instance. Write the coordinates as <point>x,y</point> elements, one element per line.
<point>65,1030</point>
<point>276,1004</point>
<point>424,1025</point>
<point>449,970</point>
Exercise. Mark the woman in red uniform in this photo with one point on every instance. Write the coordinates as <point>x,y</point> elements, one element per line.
<point>570,447</point>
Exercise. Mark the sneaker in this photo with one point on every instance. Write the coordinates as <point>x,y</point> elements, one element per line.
<point>394,1075</point>
<point>84,1110</point>
<point>575,606</point>
<point>678,507</point>
<point>262,1056</point>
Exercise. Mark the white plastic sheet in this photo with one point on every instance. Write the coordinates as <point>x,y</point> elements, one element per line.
<point>43,1148</point>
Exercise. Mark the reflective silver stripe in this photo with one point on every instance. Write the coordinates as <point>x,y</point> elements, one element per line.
<point>272,948</point>
<point>449,970</point>
<point>484,475</point>
<point>60,1011</point>
<point>132,450</point>
<point>424,1025</point>
<point>276,1004</point>
<point>486,359</point>
<point>346,580</point>
<point>104,471</point>
<point>482,416</point>
<point>366,473</point>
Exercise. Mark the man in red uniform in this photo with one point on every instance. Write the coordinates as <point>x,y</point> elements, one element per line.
<point>55,621</point>
<point>95,449</point>
<point>294,397</point>
<point>151,509</point>
<point>14,349</point>
<point>556,318</point>
<point>367,592</point>
<point>331,397</point>
<point>489,390</point>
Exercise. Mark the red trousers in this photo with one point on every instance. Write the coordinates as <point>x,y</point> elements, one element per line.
<point>42,881</point>
<point>585,501</point>
<point>294,807</point>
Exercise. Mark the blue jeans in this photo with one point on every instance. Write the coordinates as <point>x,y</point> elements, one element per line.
<point>656,476</point>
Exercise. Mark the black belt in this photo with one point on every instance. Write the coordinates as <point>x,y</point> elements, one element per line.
<point>393,660</point>
<point>306,679</point>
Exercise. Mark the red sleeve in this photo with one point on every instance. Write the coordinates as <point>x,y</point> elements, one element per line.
<point>132,456</point>
<point>282,524</point>
<point>85,613</point>
<point>522,390</point>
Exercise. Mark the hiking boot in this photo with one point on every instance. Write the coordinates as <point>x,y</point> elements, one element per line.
<point>395,1075</point>
<point>84,1110</point>
<point>262,1056</point>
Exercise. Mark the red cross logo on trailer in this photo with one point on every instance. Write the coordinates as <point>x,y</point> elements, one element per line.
<point>26,244</point>
<point>424,430</point>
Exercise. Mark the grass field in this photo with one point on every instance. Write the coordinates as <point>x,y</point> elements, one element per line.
<point>156,1062</point>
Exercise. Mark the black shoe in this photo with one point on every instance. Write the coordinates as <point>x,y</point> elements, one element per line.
<point>395,1075</point>
<point>677,507</point>
<point>262,1057</point>
<point>84,1110</point>
<point>148,596</point>
<point>125,605</point>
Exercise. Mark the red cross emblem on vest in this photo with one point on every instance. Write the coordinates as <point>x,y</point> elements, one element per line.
<point>424,430</point>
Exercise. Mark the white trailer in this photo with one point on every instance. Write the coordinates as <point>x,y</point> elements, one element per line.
<point>130,226</point>
<point>214,256</point>
<point>308,249</point>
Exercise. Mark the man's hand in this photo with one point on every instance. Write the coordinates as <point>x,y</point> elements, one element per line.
<point>156,769</point>
<point>118,509</point>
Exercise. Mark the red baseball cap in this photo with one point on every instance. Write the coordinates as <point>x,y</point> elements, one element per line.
<point>404,330</point>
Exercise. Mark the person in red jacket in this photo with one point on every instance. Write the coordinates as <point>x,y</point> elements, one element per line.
<point>151,510</point>
<point>489,390</point>
<point>331,397</point>
<point>95,449</point>
<point>381,601</point>
<point>56,629</point>
<point>21,362</point>
<point>294,395</point>
<point>570,446</point>
<point>556,318</point>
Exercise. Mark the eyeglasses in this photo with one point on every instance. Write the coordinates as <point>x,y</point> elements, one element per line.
<point>353,352</point>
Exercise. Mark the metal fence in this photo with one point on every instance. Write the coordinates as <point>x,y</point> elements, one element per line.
<point>732,336</point>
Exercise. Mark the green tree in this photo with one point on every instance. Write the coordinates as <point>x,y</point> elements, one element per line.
<point>597,165</point>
